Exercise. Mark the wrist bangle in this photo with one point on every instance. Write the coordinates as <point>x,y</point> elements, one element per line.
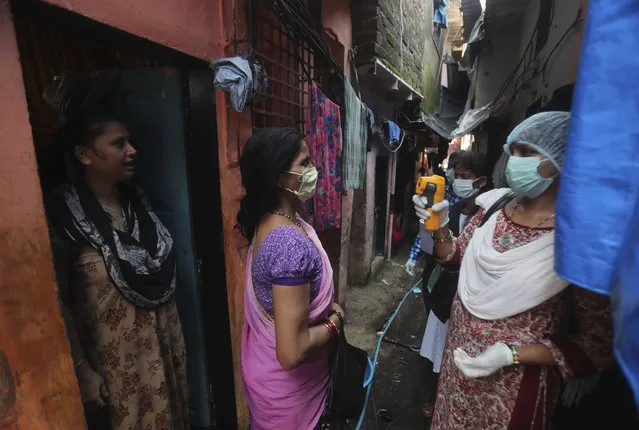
<point>339,315</point>
<point>79,363</point>
<point>513,349</point>
<point>332,328</point>
<point>447,238</point>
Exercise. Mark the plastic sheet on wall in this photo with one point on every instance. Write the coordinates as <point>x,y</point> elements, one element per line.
<point>472,119</point>
<point>598,206</point>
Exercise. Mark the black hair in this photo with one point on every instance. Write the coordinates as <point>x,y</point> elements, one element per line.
<point>267,154</point>
<point>81,130</point>
<point>476,162</point>
<point>473,161</point>
<point>452,159</point>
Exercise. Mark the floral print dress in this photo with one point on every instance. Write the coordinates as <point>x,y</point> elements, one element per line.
<point>324,140</point>
<point>519,397</point>
<point>139,352</point>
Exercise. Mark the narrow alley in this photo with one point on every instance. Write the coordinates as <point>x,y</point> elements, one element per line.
<point>403,381</point>
<point>319,215</point>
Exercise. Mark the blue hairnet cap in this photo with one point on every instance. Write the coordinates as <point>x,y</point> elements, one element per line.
<point>546,132</point>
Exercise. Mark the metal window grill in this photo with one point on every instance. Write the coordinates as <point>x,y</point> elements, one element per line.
<point>290,65</point>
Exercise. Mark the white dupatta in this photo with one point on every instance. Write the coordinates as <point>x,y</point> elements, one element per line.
<point>495,285</point>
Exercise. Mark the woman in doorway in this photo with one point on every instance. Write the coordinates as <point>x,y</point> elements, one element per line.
<point>440,281</point>
<point>115,264</point>
<point>288,302</point>
<point>510,339</point>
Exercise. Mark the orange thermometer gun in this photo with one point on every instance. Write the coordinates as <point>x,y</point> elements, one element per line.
<point>433,188</point>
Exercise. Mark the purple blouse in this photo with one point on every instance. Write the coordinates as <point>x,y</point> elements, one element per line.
<point>286,257</point>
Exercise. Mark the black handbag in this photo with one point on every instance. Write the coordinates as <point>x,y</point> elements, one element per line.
<point>347,368</point>
<point>439,286</point>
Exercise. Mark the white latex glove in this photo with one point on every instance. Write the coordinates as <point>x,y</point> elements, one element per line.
<point>409,267</point>
<point>494,358</point>
<point>422,213</point>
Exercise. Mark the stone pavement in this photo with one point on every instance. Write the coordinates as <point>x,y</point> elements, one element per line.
<point>403,380</point>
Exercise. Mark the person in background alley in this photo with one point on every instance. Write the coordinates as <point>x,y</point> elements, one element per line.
<point>115,265</point>
<point>439,282</point>
<point>450,196</point>
<point>288,302</point>
<point>516,329</point>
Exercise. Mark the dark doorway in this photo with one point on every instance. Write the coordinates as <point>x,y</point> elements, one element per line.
<point>381,191</point>
<point>167,101</point>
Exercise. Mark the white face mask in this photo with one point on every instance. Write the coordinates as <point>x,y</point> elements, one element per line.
<point>308,182</point>
<point>464,188</point>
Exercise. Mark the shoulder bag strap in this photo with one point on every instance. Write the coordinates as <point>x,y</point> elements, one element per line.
<point>497,206</point>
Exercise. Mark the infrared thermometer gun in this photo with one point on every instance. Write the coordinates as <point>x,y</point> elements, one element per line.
<point>433,188</point>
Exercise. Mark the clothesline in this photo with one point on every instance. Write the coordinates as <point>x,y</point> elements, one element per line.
<point>371,113</point>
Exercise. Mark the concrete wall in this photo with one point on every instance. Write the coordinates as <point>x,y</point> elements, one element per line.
<point>562,67</point>
<point>361,252</point>
<point>508,45</point>
<point>399,32</point>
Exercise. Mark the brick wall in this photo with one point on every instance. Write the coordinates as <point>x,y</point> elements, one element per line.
<point>412,55</point>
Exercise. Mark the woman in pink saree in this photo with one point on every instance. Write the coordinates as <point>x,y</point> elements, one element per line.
<point>289,309</point>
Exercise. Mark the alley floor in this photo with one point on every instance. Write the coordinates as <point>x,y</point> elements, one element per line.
<point>403,380</point>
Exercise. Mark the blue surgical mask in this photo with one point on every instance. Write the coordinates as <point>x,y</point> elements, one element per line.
<point>523,177</point>
<point>464,188</point>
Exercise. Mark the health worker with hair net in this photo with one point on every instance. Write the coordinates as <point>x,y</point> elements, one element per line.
<point>516,329</point>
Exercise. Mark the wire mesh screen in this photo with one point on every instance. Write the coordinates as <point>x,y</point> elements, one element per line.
<point>290,65</point>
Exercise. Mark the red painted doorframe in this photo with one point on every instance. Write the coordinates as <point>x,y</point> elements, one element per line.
<point>37,382</point>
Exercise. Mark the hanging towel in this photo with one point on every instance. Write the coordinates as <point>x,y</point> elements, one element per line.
<point>439,15</point>
<point>354,166</point>
<point>394,133</point>
<point>598,240</point>
<point>370,118</point>
<point>324,140</point>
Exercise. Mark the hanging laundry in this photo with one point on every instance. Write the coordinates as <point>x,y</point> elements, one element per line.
<point>370,123</point>
<point>242,79</point>
<point>439,13</point>
<point>354,159</point>
<point>394,134</point>
<point>324,140</point>
<point>370,118</point>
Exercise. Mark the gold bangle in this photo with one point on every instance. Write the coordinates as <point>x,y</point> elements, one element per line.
<point>513,349</point>
<point>447,238</point>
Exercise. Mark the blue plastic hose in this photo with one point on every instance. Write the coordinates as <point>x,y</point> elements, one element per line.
<point>414,289</point>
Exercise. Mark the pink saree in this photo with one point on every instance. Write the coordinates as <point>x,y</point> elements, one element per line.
<point>277,398</point>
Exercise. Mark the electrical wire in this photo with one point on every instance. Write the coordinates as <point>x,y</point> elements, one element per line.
<point>401,142</point>
<point>523,57</point>
<point>520,81</point>
<point>414,289</point>
<point>519,85</point>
